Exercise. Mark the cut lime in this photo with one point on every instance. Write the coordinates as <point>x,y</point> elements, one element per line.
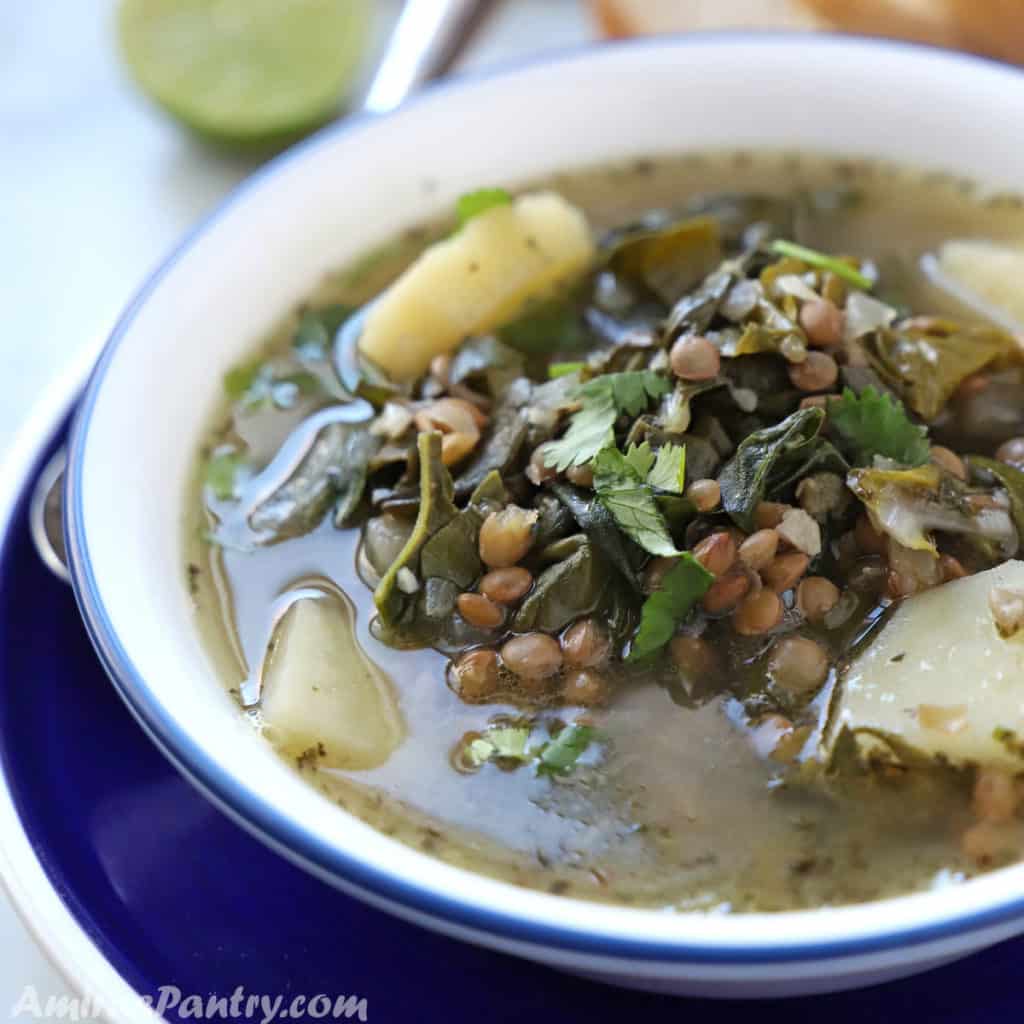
<point>245,71</point>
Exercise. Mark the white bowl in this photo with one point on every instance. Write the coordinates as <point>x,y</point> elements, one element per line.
<point>358,184</point>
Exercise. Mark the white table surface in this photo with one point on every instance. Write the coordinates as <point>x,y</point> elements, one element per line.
<point>95,187</point>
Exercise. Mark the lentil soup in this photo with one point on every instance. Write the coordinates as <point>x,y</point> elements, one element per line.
<point>608,538</point>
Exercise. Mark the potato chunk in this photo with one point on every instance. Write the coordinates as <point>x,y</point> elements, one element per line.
<point>476,280</point>
<point>320,688</point>
<point>939,679</point>
<point>990,271</point>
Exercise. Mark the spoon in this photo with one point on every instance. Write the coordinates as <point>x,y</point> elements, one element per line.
<point>428,38</point>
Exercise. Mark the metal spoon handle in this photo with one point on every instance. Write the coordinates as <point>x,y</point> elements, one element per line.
<point>426,42</point>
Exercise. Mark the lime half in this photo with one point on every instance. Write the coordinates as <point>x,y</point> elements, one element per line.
<point>245,71</point>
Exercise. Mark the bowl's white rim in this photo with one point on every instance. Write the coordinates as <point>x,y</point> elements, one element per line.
<point>993,911</point>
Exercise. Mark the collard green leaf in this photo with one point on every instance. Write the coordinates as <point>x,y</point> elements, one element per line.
<point>264,385</point>
<point>926,362</point>
<point>487,359</point>
<point>681,588</point>
<point>603,398</point>
<point>333,467</point>
<point>694,312</point>
<point>871,424</point>
<point>599,526</point>
<point>563,592</point>
<point>902,503</point>
<point>768,458</point>
<point>671,260</point>
<point>314,336</point>
<point>436,510</point>
<point>623,490</point>
<point>1012,480</point>
<point>472,204</point>
<point>505,440</point>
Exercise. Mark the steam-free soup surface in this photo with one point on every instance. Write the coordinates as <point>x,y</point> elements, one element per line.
<point>683,788</point>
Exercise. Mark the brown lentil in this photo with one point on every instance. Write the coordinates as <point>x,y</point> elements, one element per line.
<point>477,674</point>
<point>759,549</point>
<point>949,461</point>
<point>532,656</point>
<point>951,568</point>
<point>694,358</point>
<point>815,402</point>
<point>537,470</point>
<point>995,796</point>
<point>816,597</point>
<point>705,494</point>
<point>822,322</point>
<point>798,664</point>
<point>768,514</point>
<point>758,613</point>
<point>506,536</point>
<point>693,656</point>
<point>716,553</point>
<point>818,372</point>
<point>478,611</point>
<point>586,687</point>
<point>784,571</point>
<point>585,644</point>
<point>581,476</point>
<point>506,586</point>
<point>725,593</point>
<point>869,540</point>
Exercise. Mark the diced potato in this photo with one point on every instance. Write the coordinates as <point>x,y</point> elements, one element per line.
<point>319,687</point>
<point>939,679</point>
<point>476,280</point>
<point>993,272</point>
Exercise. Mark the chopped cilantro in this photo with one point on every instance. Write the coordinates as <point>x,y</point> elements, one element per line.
<point>564,369</point>
<point>472,204</point>
<point>621,486</point>
<point>224,474</point>
<point>669,470</point>
<point>871,424</point>
<point>604,398</point>
<point>839,267</point>
<point>562,753</point>
<point>681,588</point>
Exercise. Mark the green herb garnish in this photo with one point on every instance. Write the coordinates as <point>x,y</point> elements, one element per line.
<point>620,482</point>
<point>262,386</point>
<point>604,398</point>
<point>873,424</point>
<point>681,588</point>
<point>472,204</point>
<point>224,473</point>
<point>564,369</point>
<point>562,753</point>
<point>813,258</point>
<point>669,470</point>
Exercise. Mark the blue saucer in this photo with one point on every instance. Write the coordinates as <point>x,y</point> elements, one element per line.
<point>172,893</point>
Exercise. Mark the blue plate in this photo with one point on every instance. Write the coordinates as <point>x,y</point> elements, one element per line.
<point>172,893</point>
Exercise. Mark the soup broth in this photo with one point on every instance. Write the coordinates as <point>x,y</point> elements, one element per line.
<point>663,785</point>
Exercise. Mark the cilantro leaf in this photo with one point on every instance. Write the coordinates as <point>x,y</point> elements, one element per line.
<point>559,756</point>
<point>813,258</point>
<point>563,369</point>
<point>621,487</point>
<point>873,424</point>
<point>224,474</point>
<point>681,588</point>
<point>603,399</point>
<point>669,470</point>
<point>472,204</point>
